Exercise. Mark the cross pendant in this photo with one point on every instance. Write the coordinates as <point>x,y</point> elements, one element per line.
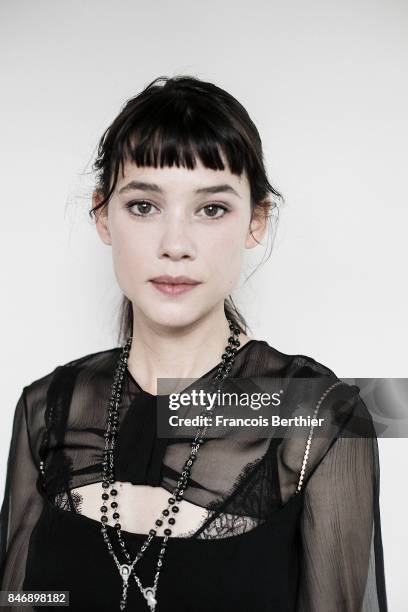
<point>149,593</point>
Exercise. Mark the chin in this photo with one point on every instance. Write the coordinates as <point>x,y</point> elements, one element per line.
<point>171,317</point>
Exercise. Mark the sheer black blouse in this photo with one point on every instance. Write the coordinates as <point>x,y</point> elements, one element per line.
<point>288,526</point>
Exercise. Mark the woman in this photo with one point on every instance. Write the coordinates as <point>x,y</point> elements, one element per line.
<point>96,502</point>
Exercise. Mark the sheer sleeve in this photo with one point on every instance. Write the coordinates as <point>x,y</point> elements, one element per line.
<point>21,505</point>
<point>342,568</point>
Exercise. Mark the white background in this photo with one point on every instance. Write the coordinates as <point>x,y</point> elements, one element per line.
<point>325,83</point>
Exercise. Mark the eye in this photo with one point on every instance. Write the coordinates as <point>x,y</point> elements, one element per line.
<point>143,206</point>
<point>212,208</point>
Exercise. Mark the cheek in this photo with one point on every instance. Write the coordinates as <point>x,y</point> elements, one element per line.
<point>131,255</point>
<point>223,259</point>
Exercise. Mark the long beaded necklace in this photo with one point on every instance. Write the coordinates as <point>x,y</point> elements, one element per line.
<point>126,570</point>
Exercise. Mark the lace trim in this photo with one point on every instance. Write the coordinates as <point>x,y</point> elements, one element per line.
<point>228,525</point>
<point>61,500</point>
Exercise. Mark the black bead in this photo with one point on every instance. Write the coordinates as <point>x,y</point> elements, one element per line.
<point>159,522</point>
<point>167,532</point>
<point>116,515</point>
<point>114,504</point>
<point>166,512</point>
<point>114,492</point>
<point>175,508</point>
<point>118,526</point>
<point>152,532</point>
<point>105,496</point>
<point>104,519</point>
<point>172,520</point>
<point>171,500</point>
<point>104,509</point>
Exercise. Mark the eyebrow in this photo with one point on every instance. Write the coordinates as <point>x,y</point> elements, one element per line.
<point>142,185</point>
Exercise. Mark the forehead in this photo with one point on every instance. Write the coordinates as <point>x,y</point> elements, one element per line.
<point>183,178</point>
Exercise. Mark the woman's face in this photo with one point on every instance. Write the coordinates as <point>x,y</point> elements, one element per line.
<point>178,222</point>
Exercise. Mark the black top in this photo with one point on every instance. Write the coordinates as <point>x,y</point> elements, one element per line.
<point>267,539</point>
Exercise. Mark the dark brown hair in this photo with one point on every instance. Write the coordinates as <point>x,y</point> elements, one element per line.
<point>172,121</point>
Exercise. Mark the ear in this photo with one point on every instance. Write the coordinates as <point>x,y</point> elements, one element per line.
<point>257,227</point>
<point>101,218</point>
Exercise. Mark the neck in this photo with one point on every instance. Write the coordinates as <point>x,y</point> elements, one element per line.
<point>162,351</point>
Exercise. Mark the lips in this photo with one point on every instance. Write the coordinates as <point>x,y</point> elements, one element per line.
<point>174,285</point>
<point>174,280</point>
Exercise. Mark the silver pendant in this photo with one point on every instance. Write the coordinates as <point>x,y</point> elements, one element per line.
<point>125,571</point>
<point>149,593</point>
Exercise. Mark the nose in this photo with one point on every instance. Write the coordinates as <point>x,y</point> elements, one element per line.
<point>176,241</point>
